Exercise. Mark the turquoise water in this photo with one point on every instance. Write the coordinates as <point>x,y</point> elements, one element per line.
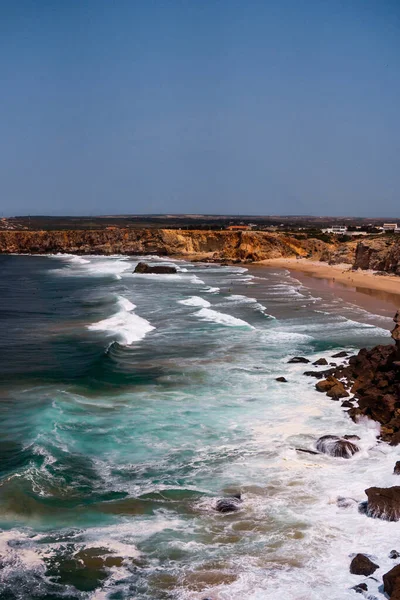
<point>131,403</point>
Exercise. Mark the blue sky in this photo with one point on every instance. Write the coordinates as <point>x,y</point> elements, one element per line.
<point>200,106</point>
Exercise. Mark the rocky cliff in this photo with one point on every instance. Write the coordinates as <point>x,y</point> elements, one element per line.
<point>381,254</point>
<point>243,246</point>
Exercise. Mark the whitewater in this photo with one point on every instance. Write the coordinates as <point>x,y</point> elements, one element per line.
<point>132,403</point>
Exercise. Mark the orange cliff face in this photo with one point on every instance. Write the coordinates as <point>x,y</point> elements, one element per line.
<point>242,246</point>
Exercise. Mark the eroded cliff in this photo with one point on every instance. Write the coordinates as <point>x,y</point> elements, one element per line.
<point>243,246</point>
<point>381,254</point>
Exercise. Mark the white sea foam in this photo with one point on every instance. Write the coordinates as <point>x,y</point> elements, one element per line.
<point>195,301</point>
<point>125,326</point>
<point>211,290</point>
<point>207,314</point>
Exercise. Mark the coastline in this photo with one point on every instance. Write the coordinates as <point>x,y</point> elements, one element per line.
<point>383,287</point>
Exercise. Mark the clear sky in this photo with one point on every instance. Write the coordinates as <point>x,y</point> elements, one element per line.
<point>200,106</point>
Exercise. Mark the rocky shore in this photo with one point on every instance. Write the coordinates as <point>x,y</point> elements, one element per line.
<point>369,383</point>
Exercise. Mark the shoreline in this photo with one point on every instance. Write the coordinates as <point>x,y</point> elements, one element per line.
<point>383,287</point>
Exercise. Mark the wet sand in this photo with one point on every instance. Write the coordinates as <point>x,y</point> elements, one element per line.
<point>377,294</point>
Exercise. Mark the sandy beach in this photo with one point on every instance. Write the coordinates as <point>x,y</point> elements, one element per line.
<point>341,273</point>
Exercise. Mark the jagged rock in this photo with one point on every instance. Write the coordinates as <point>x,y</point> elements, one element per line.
<point>226,505</point>
<point>346,404</point>
<point>396,470</point>
<point>394,554</point>
<point>142,267</point>
<point>298,359</point>
<point>320,361</point>
<point>362,565</point>
<point>319,374</point>
<point>334,445</point>
<point>341,354</point>
<point>391,583</point>
<point>332,387</point>
<point>281,379</point>
<point>383,503</point>
<point>360,588</point>
<point>396,331</point>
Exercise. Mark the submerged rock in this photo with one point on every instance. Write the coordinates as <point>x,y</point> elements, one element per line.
<point>226,505</point>
<point>394,554</point>
<point>281,379</point>
<point>345,502</point>
<point>334,445</point>
<point>383,503</point>
<point>143,267</point>
<point>360,588</point>
<point>362,565</point>
<point>396,470</point>
<point>298,359</point>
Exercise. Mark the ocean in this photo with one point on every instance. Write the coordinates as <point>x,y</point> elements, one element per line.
<point>131,403</point>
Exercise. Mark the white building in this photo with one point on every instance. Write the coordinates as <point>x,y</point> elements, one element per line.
<point>390,227</point>
<point>336,229</point>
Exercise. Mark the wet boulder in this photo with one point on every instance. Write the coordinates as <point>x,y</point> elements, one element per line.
<point>394,554</point>
<point>320,361</point>
<point>336,446</point>
<point>298,359</point>
<point>360,588</point>
<point>341,354</point>
<point>332,388</point>
<point>143,267</point>
<point>362,565</point>
<point>383,503</point>
<point>396,470</point>
<point>391,583</point>
<point>227,505</point>
<point>281,379</point>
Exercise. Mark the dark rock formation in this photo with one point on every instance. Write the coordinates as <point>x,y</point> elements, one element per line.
<point>383,503</point>
<point>396,470</point>
<point>373,376</point>
<point>360,588</point>
<point>332,387</point>
<point>306,451</point>
<point>319,374</point>
<point>341,354</point>
<point>394,554</point>
<point>161,269</point>
<point>227,505</point>
<point>336,446</point>
<point>281,379</point>
<point>362,565</point>
<point>391,583</point>
<point>298,359</point>
<point>346,404</point>
<point>320,361</point>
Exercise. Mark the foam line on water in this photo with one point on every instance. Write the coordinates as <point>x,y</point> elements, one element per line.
<point>125,326</point>
<point>195,301</point>
<point>207,314</point>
